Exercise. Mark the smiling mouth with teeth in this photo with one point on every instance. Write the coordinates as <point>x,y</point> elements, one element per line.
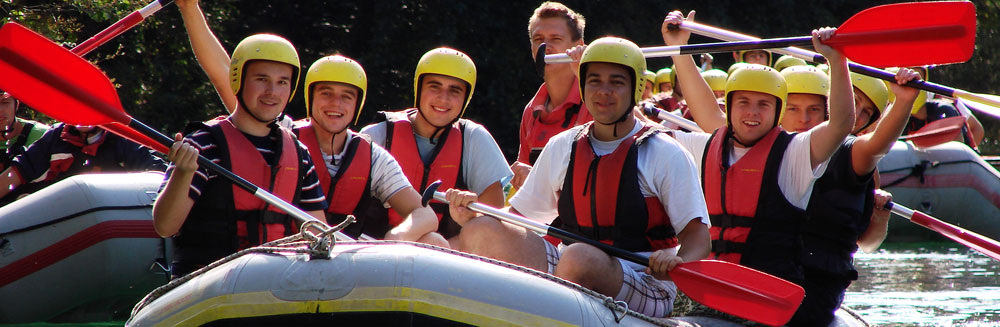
<point>751,123</point>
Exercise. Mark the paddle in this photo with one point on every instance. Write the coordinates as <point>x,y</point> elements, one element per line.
<point>879,36</point>
<point>724,286</point>
<point>973,240</point>
<point>64,86</point>
<point>120,27</point>
<point>937,132</point>
<point>652,111</point>
<point>932,14</point>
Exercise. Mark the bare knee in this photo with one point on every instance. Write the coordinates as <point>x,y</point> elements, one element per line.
<point>590,267</point>
<point>433,238</point>
<point>479,233</point>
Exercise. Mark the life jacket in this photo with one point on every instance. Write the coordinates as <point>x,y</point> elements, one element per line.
<point>601,198</point>
<point>227,218</point>
<point>752,222</point>
<point>444,164</point>
<point>18,146</point>
<point>839,211</point>
<point>540,132</point>
<point>348,192</point>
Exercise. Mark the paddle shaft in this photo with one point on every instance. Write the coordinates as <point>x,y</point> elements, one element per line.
<point>868,37</point>
<point>722,34</point>
<point>973,240</point>
<point>549,230</point>
<point>120,27</point>
<point>650,110</point>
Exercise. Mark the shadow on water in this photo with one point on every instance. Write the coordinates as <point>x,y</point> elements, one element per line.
<point>926,284</point>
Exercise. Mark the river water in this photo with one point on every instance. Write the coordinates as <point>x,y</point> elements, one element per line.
<point>926,284</point>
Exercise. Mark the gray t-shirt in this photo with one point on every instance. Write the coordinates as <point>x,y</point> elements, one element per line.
<point>482,162</point>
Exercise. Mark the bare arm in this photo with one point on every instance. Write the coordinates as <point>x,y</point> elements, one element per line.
<point>870,148</point>
<point>976,128</point>
<point>211,55</point>
<point>878,227</point>
<point>419,220</point>
<point>173,204</point>
<point>695,245</point>
<point>697,93</point>
<point>827,137</point>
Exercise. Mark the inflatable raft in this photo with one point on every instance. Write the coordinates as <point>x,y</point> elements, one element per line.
<point>949,181</point>
<point>80,250</point>
<point>383,283</point>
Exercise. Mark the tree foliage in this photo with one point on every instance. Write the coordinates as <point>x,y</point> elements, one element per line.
<point>161,84</point>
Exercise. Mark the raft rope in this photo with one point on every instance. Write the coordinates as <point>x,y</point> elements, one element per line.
<point>317,246</point>
<point>321,245</point>
<point>919,169</point>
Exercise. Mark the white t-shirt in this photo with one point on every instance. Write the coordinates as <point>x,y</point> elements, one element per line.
<point>796,176</point>
<point>666,171</point>
<point>482,162</point>
<point>386,176</point>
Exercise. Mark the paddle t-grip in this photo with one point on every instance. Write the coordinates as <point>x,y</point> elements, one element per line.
<point>540,60</point>
<point>429,193</point>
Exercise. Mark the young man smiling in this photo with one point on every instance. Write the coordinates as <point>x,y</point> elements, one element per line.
<point>617,180</point>
<point>432,142</point>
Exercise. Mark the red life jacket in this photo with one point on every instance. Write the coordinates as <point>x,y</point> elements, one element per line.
<point>574,113</point>
<point>752,222</point>
<point>601,199</point>
<point>347,192</point>
<point>227,218</point>
<point>445,163</point>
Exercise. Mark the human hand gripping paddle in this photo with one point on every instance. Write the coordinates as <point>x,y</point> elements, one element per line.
<point>949,12</point>
<point>880,36</point>
<point>724,286</point>
<point>64,86</point>
<point>983,244</point>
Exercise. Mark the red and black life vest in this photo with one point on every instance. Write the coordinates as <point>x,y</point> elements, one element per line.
<point>227,218</point>
<point>601,199</point>
<point>444,164</point>
<point>752,222</point>
<point>348,192</point>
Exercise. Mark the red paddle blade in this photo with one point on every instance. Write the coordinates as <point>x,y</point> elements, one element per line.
<point>974,241</point>
<point>937,132</point>
<point>910,34</point>
<point>739,291</point>
<point>53,80</point>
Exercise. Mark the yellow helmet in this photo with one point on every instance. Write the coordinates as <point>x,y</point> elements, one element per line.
<point>616,51</point>
<point>757,78</point>
<point>788,61</point>
<point>735,66</point>
<point>447,62</point>
<point>824,67</point>
<point>337,69</point>
<point>650,77</point>
<point>875,90</point>
<point>917,103</point>
<point>806,79</point>
<point>663,76</point>
<point>263,47</point>
<point>716,79</point>
<point>744,52</point>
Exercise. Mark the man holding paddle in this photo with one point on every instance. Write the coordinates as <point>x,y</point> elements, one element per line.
<point>605,181</point>
<point>556,106</point>
<point>360,176</point>
<point>208,216</point>
<point>843,211</point>
<point>757,178</point>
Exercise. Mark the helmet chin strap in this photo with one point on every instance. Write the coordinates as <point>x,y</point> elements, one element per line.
<point>438,129</point>
<point>620,119</point>
<point>247,109</point>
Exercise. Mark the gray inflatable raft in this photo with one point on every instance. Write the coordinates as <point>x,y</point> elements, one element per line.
<point>82,249</point>
<point>949,181</point>
<point>385,283</point>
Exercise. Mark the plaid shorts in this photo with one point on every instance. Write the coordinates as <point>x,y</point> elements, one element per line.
<point>643,293</point>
